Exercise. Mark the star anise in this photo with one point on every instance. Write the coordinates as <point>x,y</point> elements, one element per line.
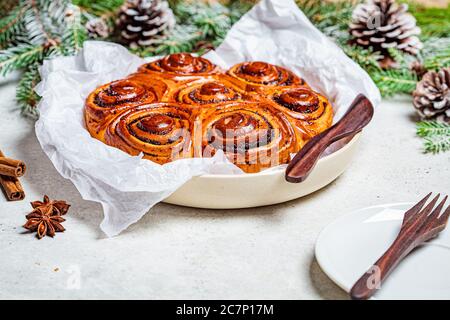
<point>59,207</point>
<point>46,218</point>
<point>45,221</point>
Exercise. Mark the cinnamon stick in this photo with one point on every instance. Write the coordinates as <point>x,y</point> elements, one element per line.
<point>11,167</point>
<point>11,186</point>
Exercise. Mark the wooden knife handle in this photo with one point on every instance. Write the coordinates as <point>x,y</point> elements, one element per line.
<point>357,117</point>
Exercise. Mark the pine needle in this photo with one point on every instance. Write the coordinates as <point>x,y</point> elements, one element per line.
<point>25,94</point>
<point>436,54</point>
<point>211,20</point>
<point>181,39</point>
<point>74,36</point>
<point>366,58</point>
<point>434,22</point>
<point>432,128</point>
<point>98,7</point>
<point>38,30</point>
<point>19,57</point>
<point>11,26</point>
<point>328,16</point>
<point>394,81</point>
<point>436,136</point>
<point>436,144</point>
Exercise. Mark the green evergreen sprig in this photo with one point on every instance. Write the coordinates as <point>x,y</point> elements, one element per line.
<point>434,22</point>
<point>181,39</point>
<point>25,94</point>
<point>11,26</point>
<point>436,53</point>
<point>436,136</point>
<point>211,20</point>
<point>36,30</point>
<point>98,7</point>
<point>394,81</point>
<point>328,16</point>
<point>20,56</point>
<point>74,34</point>
<point>366,58</point>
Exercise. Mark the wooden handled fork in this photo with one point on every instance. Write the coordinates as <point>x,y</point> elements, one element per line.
<point>419,225</point>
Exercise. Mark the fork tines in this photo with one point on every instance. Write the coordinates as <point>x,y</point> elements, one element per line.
<point>423,223</point>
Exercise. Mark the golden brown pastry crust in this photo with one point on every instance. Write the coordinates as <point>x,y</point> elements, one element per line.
<point>252,135</point>
<point>162,131</point>
<point>310,111</point>
<point>182,106</point>
<point>259,76</point>
<point>181,65</point>
<point>209,90</point>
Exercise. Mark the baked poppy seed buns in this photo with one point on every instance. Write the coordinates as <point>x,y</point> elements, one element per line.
<point>182,106</point>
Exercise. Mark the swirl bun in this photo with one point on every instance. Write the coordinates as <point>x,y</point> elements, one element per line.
<point>311,112</point>
<point>114,97</point>
<point>257,75</point>
<point>162,131</point>
<point>181,64</point>
<point>252,135</point>
<point>207,91</point>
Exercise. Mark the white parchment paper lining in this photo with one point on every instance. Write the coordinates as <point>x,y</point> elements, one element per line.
<point>274,31</point>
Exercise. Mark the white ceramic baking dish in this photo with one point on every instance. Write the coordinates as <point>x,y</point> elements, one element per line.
<point>263,188</point>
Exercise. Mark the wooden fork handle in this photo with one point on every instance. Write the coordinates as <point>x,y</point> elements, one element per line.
<point>355,119</point>
<point>371,281</point>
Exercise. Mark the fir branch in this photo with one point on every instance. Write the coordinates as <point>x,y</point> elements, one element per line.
<point>25,94</point>
<point>325,15</point>
<point>433,22</point>
<point>436,144</point>
<point>432,128</point>
<point>181,39</point>
<point>19,57</point>
<point>44,20</point>
<point>436,53</point>
<point>213,26</point>
<point>212,20</point>
<point>238,8</point>
<point>11,26</point>
<point>75,34</point>
<point>436,136</point>
<point>98,7</point>
<point>399,57</point>
<point>394,81</point>
<point>50,29</point>
<point>366,58</point>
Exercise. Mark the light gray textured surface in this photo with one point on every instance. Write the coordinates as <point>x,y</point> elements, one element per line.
<point>186,253</point>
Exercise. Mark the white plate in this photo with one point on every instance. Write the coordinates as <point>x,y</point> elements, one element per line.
<point>263,188</point>
<point>349,246</point>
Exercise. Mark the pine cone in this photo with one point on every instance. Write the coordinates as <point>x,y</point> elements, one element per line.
<point>141,22</point>
<point>97,28</point>
<point>384,24</point>
<point>432,95</point>
<point>418,68</point>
